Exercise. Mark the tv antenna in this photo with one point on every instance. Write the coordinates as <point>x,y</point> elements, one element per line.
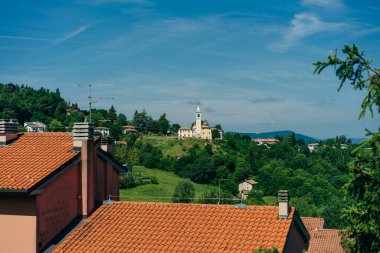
<point>90,97</point>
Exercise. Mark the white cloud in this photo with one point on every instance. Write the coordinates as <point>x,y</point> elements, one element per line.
<point>303,25</point>
<point>24,38</point>
<point>76,32</point>
<point>328,4</point>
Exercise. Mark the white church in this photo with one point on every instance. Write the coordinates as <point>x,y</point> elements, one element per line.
<point>200,129</point>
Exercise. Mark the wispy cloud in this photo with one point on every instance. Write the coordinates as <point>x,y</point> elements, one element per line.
<point>191,102</point>
<point>365,32</point>
<point>70,35</point>
<point>56,41</point>
<point>303,25</point>
<point>266,100</point>
<point>329,4</point>
<point>25,38</point>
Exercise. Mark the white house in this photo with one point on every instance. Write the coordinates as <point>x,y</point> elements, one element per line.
<point>312,146</point>
<point>265,142</point>
<point>246,187</point>
<point>105,131</point>
<point>35,126</point>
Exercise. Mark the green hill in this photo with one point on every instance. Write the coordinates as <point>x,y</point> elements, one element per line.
<point>161,192</point>
<point>171,146</point>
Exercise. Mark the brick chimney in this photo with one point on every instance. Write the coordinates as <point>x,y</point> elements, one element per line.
<point>107,144</point>
<point>8,130</point>
<point>283,202</point>
<point>83,142</point>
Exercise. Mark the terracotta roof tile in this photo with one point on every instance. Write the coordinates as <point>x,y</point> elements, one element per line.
<point>32,157</point>
<point>325,241</point>
<point>170,227</point>
<point>312,223</point>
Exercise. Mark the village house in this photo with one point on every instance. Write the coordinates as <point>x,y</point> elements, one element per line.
<point>312,146</point>
<point>128,129</point>
<point>246,187</point>
<point>265,141</point>
<point>180,227</point>
<point>35,126</point>
<point>104,131</point>
<point>49,182</point>
<point>200,129</point>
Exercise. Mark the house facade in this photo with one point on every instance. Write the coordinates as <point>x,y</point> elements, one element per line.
<point>246,187</point>
<point>200,129</point>
<point>50,181</point>
<point>35,126</point>
<point>128,129</point>
<point>104,131</point>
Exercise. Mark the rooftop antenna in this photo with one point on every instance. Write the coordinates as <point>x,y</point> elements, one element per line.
<point>90,97</point>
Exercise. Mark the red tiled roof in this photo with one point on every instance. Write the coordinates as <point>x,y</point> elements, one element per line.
<point>325,241</point>
<point>173,227</point>
<point>32,157</point>
<point>313,223</point>
<point>251,181</point>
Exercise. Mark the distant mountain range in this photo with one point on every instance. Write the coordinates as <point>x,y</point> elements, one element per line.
<point>298,136</point>
<point>281,134</point>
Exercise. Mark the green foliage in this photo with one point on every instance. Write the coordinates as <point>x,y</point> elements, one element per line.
<point>261,250</point>
<point>363,215</point>
<point>128,181</point>
<point>184,192</point>
<point>356,70</point>
<point>27,104</point>
<point>255,197</point>
<point>56,126</point>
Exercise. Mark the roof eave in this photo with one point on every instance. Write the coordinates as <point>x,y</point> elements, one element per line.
<point>106,156</point>
<point>43,183</point>
<point>13,192</point>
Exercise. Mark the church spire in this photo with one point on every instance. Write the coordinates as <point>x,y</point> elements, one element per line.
<point>198,109</point>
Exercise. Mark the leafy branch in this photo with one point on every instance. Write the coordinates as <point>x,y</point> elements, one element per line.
<point>356,70</point>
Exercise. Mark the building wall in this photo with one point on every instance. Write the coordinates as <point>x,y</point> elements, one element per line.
<point>58,205</point>
<point>245,186</point>
<point>18,224</point>
<point>107,182</point>
<point>295,242</point>
<point>101,181</point>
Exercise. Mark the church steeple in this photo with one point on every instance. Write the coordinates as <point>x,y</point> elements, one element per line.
<point>198,122</point>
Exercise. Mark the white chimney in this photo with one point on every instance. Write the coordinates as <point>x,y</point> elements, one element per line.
<point>8,130</point>
<point>283,202</point>
<point>82,131</point>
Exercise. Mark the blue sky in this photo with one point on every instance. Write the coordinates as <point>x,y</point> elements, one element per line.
<point>247,63</point>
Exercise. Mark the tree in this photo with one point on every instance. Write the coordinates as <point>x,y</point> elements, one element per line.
<point>56,126</point>
<point>163,124</point>
<point>363,216</point>
<point>175,127</point>
<point>111,114</point>
<point>184,192</point>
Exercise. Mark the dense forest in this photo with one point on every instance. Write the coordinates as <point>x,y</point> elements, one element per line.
<point>27,104</point>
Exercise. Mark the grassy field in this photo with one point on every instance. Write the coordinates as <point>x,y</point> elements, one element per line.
<point>161,192</point>
<point>171,146</point>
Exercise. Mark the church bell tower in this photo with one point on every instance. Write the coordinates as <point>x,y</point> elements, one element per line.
<point>198,122</point>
